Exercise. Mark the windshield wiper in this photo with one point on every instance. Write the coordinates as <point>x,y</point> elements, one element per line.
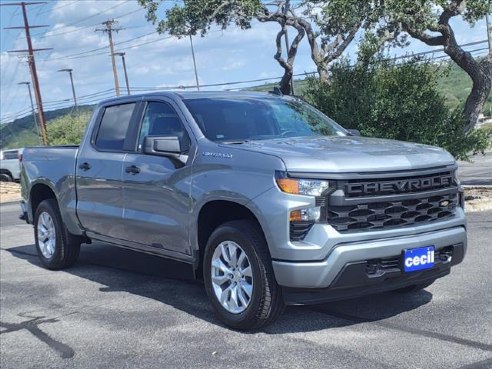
<point>234,142</point>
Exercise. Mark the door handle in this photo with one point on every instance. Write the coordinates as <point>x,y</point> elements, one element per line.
<point>132,169</point>
<point>85,166</point>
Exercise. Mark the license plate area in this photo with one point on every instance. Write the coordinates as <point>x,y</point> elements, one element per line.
<point>419,258</point>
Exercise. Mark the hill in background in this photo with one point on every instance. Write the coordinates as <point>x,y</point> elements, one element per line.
<point>455,85</point>
<point>22,132</point>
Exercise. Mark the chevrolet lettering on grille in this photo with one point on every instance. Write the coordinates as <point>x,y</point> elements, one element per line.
<point>399,186</point>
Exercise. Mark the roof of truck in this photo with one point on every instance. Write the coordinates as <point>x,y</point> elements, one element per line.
<point>186,95</point>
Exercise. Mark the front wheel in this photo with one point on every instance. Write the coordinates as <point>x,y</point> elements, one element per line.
<point>239,277</point>
<point>57,248</point>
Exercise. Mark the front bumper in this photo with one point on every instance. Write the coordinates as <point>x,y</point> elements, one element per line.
<point>323,274</point>
<point>355,281</point>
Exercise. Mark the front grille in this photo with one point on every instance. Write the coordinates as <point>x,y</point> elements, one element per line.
<point>396,185</point>
<point>389,214</point>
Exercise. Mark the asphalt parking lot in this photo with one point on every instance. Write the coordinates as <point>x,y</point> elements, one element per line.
<point>120,309</point>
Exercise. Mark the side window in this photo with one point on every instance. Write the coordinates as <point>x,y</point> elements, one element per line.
<point>114,126</point>
<point>160,119</point>
<point>10,155</point>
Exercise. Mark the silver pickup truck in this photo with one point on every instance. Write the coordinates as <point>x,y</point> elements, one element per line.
<point>269,200</point>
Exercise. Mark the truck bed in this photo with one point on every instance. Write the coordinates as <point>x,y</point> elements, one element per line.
<point>54,165</point>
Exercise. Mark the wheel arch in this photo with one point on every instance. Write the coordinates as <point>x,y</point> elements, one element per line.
<point>38,193</point>
<point>216,212</point>
<point>6,171</point>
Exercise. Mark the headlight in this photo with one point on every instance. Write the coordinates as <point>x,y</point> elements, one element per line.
<point>297,186</point>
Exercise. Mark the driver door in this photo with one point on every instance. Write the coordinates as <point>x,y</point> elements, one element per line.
<point>156,189</point>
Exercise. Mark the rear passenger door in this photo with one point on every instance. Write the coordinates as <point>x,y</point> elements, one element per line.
<point>156,189</point>
<point>99,171</point>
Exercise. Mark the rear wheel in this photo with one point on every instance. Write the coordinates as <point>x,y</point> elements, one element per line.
<point>415,287</point>
<point>56,247</point>
<point>239,277</point>
<point>5,177</point>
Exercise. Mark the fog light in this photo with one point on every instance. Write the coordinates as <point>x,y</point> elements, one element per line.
<point>305,215</point>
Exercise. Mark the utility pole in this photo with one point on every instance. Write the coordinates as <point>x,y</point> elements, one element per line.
<point>73,88</point>
<point>194,63</point>
<point>124,69</point>
<point>32,64</point>
<point>110,28</point>
<point>36,124</point>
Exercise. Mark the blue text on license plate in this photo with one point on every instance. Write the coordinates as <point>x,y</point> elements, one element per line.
<point>418,259</point>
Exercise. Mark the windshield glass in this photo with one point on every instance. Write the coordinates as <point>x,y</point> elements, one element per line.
<point>254,118</point>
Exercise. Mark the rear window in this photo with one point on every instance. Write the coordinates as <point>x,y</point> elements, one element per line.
<point>114,127</point>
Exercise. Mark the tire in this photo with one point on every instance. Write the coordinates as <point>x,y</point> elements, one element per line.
<point>415,287</point>
<point>5,177</point>
<point>59,249</point>
<point>265,301</point>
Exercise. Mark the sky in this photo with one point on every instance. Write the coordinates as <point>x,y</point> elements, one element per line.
<point>153,60</point>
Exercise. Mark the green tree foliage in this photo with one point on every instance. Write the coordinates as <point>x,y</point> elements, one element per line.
<point>329,26</point>
<point>396,101</point>
<point>68,129</point>
<point>431,22</point>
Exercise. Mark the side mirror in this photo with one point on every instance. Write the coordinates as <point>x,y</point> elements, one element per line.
<point>353,132</point>
<point>163,146</point>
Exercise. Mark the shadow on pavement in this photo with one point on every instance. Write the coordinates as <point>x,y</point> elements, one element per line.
<point>172,283</point>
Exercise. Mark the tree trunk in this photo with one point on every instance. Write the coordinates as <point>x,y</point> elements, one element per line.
<point>475,102</point>
<point>287,64</point>
<point>284,85</point>
<point>479,72</point>
<point>323,74</point>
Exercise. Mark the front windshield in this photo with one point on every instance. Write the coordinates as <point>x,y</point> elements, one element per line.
<point>254,118</point>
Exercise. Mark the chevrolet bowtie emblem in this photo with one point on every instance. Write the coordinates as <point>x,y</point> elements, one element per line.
<point>444,203</point>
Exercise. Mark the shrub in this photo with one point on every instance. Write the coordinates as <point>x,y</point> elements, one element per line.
<point>68,129</point>
<point>397,101</point>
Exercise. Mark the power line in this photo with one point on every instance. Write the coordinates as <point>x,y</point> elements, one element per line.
<point>87,53</point>
<point>84,19</point>
<point>61,6</point>
<point>435,51</point>
<point>32,63</point>
<point>83,53</point>
<point>83,27</point>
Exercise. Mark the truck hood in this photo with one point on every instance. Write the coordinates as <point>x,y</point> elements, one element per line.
<point>350,154</point>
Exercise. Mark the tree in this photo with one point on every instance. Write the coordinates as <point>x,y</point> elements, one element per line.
<point>397,101</point>
<point>429,22</point>
<point>68,129</point>
<point>328,35</point>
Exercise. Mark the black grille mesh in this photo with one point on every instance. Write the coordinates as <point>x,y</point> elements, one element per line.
<point>299,230</point>
<point>388,214</point>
